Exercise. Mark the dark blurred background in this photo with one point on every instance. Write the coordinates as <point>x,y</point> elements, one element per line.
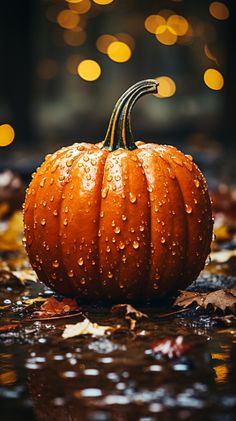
<point>64,63</point>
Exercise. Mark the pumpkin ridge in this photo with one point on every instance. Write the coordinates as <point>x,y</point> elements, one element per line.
<point>186,237</point>
<point>60,250</point>
<point>100,283</point>
<point>42,173</point>
<point>145,288</point>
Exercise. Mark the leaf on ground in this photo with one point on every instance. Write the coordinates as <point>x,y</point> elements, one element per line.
<point>7,328</point>
<point>222,256</point>
<point>131,314</point>
<point>85,328</point>
<point>25,275</point>
<point>11,233</point>
<point>219,300</point>
<point>52,307</point>
<point>171,348</point>
<point>31,301</point>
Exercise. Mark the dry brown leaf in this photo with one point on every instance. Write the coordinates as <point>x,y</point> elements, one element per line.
<point>84,328</point>
<point>25,275</point>
<point>131,314</point>
<point>53,307</point>
<point>31,301</point>
<point>11,233</point>
<point>219,300</point>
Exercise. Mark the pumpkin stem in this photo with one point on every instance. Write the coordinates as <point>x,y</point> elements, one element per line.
<point>119,133</point>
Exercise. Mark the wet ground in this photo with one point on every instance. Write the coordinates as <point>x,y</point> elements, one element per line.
<point>117,377</point>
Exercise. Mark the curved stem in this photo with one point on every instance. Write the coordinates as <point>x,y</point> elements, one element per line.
<point>119,133</point>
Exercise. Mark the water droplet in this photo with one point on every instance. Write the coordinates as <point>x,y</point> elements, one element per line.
<point>163,240</point>
<point>71,273</point>
<point>69,163</point>
<point>110,275</point>
<point>113,224</point>
<point>188,208</point>
<point>44,203</point>
<point>197,184</point>
<point>99,233</point>
<point>124,217</point>
<point>104,192</point>
<point>51,181</point>
<point>55,213</point>
<point>65,223</point>
<point>55,264</point>
<point>124,258</point>
<point>117,178</point>
<point>80,261</point>
<point>43,222</point>
<point>135,244</point>
<point>101,214</point>
<point>117,230</point>
<point>82,281</point>
<point>132,197</point>
<point>85,158</point>
<point>121,245</point>
<point>141,228</point>
<point>42,182</point>
<point>108,249</point>
<point>109,177</point>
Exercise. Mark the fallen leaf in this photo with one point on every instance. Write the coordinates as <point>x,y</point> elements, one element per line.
<point>222,256</point>
<point>84,328</point>
<point>31,301</point>
<point>53,307</point>
<point>25,275</point>
<point>131,314</point>
<point>219,300</point>
<point>11,233</point>
<point>171,348</point>
<point>7,328</point>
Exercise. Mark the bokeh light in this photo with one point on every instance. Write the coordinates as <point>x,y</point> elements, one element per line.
<point>213,79</point>
<point>89,70</point>
<point>209,54</point>
<point>165,36</point>
<point>7,134</point>
<point>74,1</point>
<point>82,7</point>
<point>219,10</point>
<point>47,69</point>
<point>127,39</point>
<point>68,19</point>
<point>166,88</point>
<point>104,41</point>
<point>74,38</point>
<point>177,24</point>
<point>152,23</point>
<point>119,51</point>
<point>103,2</point>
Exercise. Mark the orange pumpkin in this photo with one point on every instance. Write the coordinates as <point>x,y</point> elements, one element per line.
<point>118,220</point>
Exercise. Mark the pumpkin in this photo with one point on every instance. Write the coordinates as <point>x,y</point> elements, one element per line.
<point>118,220</point>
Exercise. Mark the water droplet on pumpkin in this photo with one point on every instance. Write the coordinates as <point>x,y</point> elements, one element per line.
<point>108,249</point>
<point>121,245</point>
<point>55,212</point>
<point>117,230</point>
<point>85,158</point>
<point>43,222</point>
<point>124,217</point>
<point>196,182</point>
<point>69,163</point>
<point>44,203</point>
<point>110,275</point>
<point>109,177</point>
<point>71,273</point>
<point>80,261</point>
<point>65,222</point>
<point>124,258</point>
<point>141,228</point>
<point>132,197</point>
<point>55,264</point>
<point>163,240</point>
<point>82,281</point>
<point>135,245</point>
<point>42,182</point>
<point>101,214</point>
<point>104,192</point>
<point>99,233</point>
<point>188,208</point>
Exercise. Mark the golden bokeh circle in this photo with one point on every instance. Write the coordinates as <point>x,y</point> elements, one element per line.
<point>213,79</point>
<point>89,70</point>
<point>219,10</point>
<point>178,25</point>
<point>166,88</point>
<point>152,23</point>
<point>7,134</point>
<point>104,41</point>
<point>67,19</point>
<point>165,36</point>
<point>119,51</point>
